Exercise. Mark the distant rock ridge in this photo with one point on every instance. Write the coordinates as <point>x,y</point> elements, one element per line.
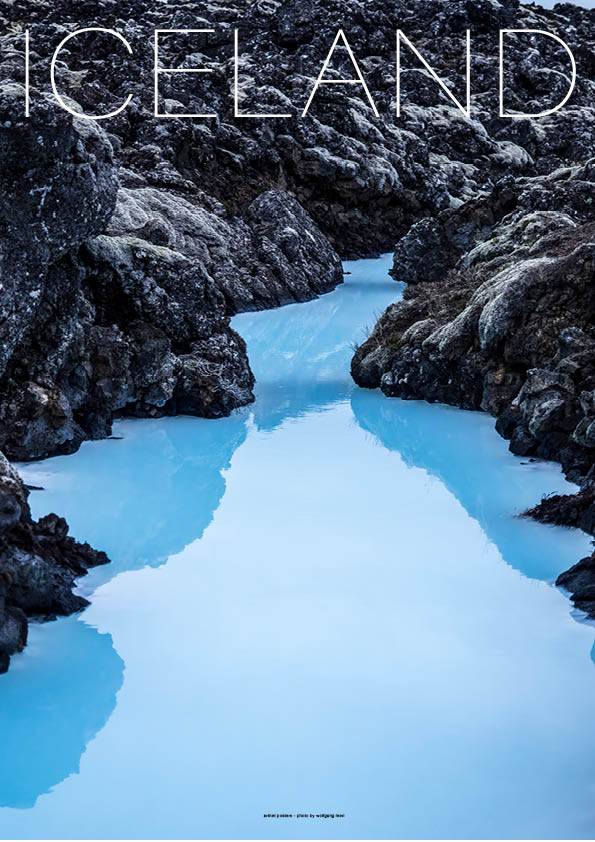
<point>126,246</point>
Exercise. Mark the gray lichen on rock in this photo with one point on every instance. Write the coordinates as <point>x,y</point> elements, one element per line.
<point>125,249</point>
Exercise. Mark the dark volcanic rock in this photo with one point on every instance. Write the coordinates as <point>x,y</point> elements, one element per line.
<point>126,246</point>
<point>117,290</point>
<point>39,563</point>
<point>508,327</point>
<point>580,581</point>
<point>576,510</point>
<point>272,256</point>
<point>364,179</point>
<point>145,326</point>
<point>57,187</point>
<point>135,320</point>
<point>505,322</point>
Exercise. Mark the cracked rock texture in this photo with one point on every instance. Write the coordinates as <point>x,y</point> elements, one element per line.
<point>117,300</point>
<point>122,305</point>
<point>126,245</point>
<point>504,322</point>
<point>39,563</point>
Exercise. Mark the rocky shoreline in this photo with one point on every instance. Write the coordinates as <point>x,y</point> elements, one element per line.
<point>506,326</point>
<point>126,246</point>
<point>39,564</point>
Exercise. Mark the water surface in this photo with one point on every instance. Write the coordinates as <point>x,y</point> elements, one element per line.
<point>323,604</point>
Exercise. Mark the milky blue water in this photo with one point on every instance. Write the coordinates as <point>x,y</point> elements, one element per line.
<point>323,604</point>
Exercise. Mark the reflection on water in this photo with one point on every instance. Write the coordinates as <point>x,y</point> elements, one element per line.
<point>71,676</point>
<point>494,486</point>
<point>301,361</point>
<point>323,604</point>
<point>151,493</point>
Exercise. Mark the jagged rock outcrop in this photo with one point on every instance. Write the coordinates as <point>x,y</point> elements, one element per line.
<point>580,581</point>
<point>116,298</point>
<point>125,248</point>
<point>135,320</point>
<point>124,321</point>
<point>39,563</point>
<point>511,285</point>
<point>272,256</point>
<point>505,323</point>
<point>145,316</point>
<point>363,179</point>
<point>58,186</point>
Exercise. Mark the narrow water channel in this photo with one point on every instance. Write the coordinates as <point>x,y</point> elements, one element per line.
<point>324,604</point>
